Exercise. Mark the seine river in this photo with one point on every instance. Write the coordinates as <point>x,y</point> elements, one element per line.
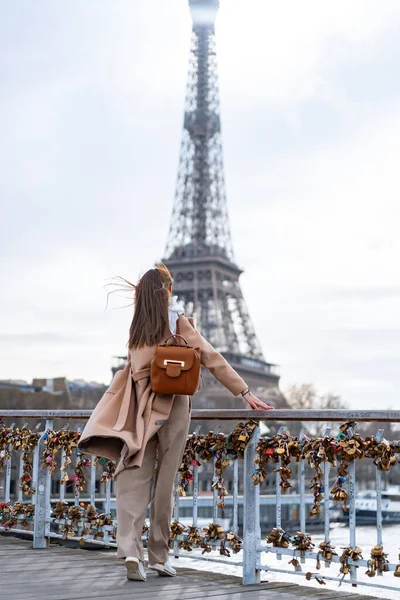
<point>366,539</point>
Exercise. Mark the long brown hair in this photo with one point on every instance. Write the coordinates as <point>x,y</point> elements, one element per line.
<point>150,318</point>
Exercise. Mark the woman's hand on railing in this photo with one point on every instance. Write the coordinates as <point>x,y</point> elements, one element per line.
<point>256,403</point>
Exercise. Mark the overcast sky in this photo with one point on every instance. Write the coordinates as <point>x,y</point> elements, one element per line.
<point>91,110</point>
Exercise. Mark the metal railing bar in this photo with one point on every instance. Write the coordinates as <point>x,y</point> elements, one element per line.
<point>209,559</point>
<point>327,467</point>
<point>251,513</point>
<point>352,511</point>
<point>379,437</point>
<point>77,456</point>
<point>214,480</point>
<point>107,507</point>
<point>8,472</point>
<point>302,484</point>
<point>92,481</point>
<point>20,470</point>
<point>387,416</point>
<point>196,483</point>
<point>195,492</point>
<point>278,498</point>
<point>81,523</point>
<point>35,470</point>
<point>361,562</point>
<point>176,513</point>
<point>75,538</point>
<point>278,491</point>
<point>326,496</point>
<point>302,503</point>
<point>41,508</point>
<point>215,492</point>
<point>326,504</point>
<point>62,473</point>
<point>7,494</point>
<point>235,497</point>
<point>49,425</point>
<point>108,497</point>
<point>353,582</point>
<point>16,530</point>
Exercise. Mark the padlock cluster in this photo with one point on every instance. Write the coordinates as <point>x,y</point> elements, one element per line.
<point>378,562</point>
<point>338,450</point>
<point>11,514</point>
<point>21,440</point>
<point>280,449</point>
<point>327,551</point>
<point>85,523</point>
<point>349,553</point>
<point>224,447</point>
<point>62,442</point>
<point>302,542</point>
<point>81,521</point>
<point>279,538</point>
<point>205,538</point>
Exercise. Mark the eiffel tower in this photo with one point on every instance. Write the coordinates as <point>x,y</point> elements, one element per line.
<point>199,249</point>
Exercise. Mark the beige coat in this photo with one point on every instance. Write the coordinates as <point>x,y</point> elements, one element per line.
<point>129,412</point>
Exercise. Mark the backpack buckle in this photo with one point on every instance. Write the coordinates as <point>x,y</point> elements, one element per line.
<point>168,361</point>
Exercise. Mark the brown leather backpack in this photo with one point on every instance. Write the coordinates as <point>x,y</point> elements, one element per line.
<point>175,369</point>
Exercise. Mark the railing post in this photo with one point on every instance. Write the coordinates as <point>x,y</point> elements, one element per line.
<point>77,458</point>
<point>378,475</point>
<point>196,484</point>
<point>20,471</point>
<point>8,472</point>
<point>42,492</point>
<point>176,513</point>
<point>352,509</point>
<point>251,514</point>
<point>214,482</point>
<point>278,491</point>
<point>302,485</point>
<point>63,472</point>
<point>326,498</point>
<point>235,496</point>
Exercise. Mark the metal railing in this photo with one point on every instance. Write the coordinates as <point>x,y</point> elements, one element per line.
<point>253,550</point>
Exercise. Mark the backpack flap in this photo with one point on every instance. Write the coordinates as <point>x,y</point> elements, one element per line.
<point>175,359</point>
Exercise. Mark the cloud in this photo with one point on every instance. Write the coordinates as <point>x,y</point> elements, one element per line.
<point>366,293</point>
<point>45,337</point>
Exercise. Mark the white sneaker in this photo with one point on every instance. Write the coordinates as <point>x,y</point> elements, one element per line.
<point>166,569</point>
<point>135,568</point>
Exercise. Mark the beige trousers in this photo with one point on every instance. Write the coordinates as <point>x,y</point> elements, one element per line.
<point>134,487</point>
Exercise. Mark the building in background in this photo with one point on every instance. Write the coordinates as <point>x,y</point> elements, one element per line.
<point>50,393</point>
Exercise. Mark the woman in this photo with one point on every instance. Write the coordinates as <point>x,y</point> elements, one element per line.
<point>148,432</point>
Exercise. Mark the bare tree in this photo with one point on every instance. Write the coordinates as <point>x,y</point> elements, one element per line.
<point>305,396</point>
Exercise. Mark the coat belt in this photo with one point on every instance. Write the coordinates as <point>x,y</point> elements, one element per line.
<point>129,389</point>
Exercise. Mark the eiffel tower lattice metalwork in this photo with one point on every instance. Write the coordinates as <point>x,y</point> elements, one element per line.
<point>199,250</point>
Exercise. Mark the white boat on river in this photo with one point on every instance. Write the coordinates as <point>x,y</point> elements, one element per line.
<point>366,506</point>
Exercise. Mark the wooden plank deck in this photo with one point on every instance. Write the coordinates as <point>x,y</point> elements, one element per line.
<point>61,573</point>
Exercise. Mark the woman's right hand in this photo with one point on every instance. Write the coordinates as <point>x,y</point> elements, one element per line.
<point>256,403</point>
